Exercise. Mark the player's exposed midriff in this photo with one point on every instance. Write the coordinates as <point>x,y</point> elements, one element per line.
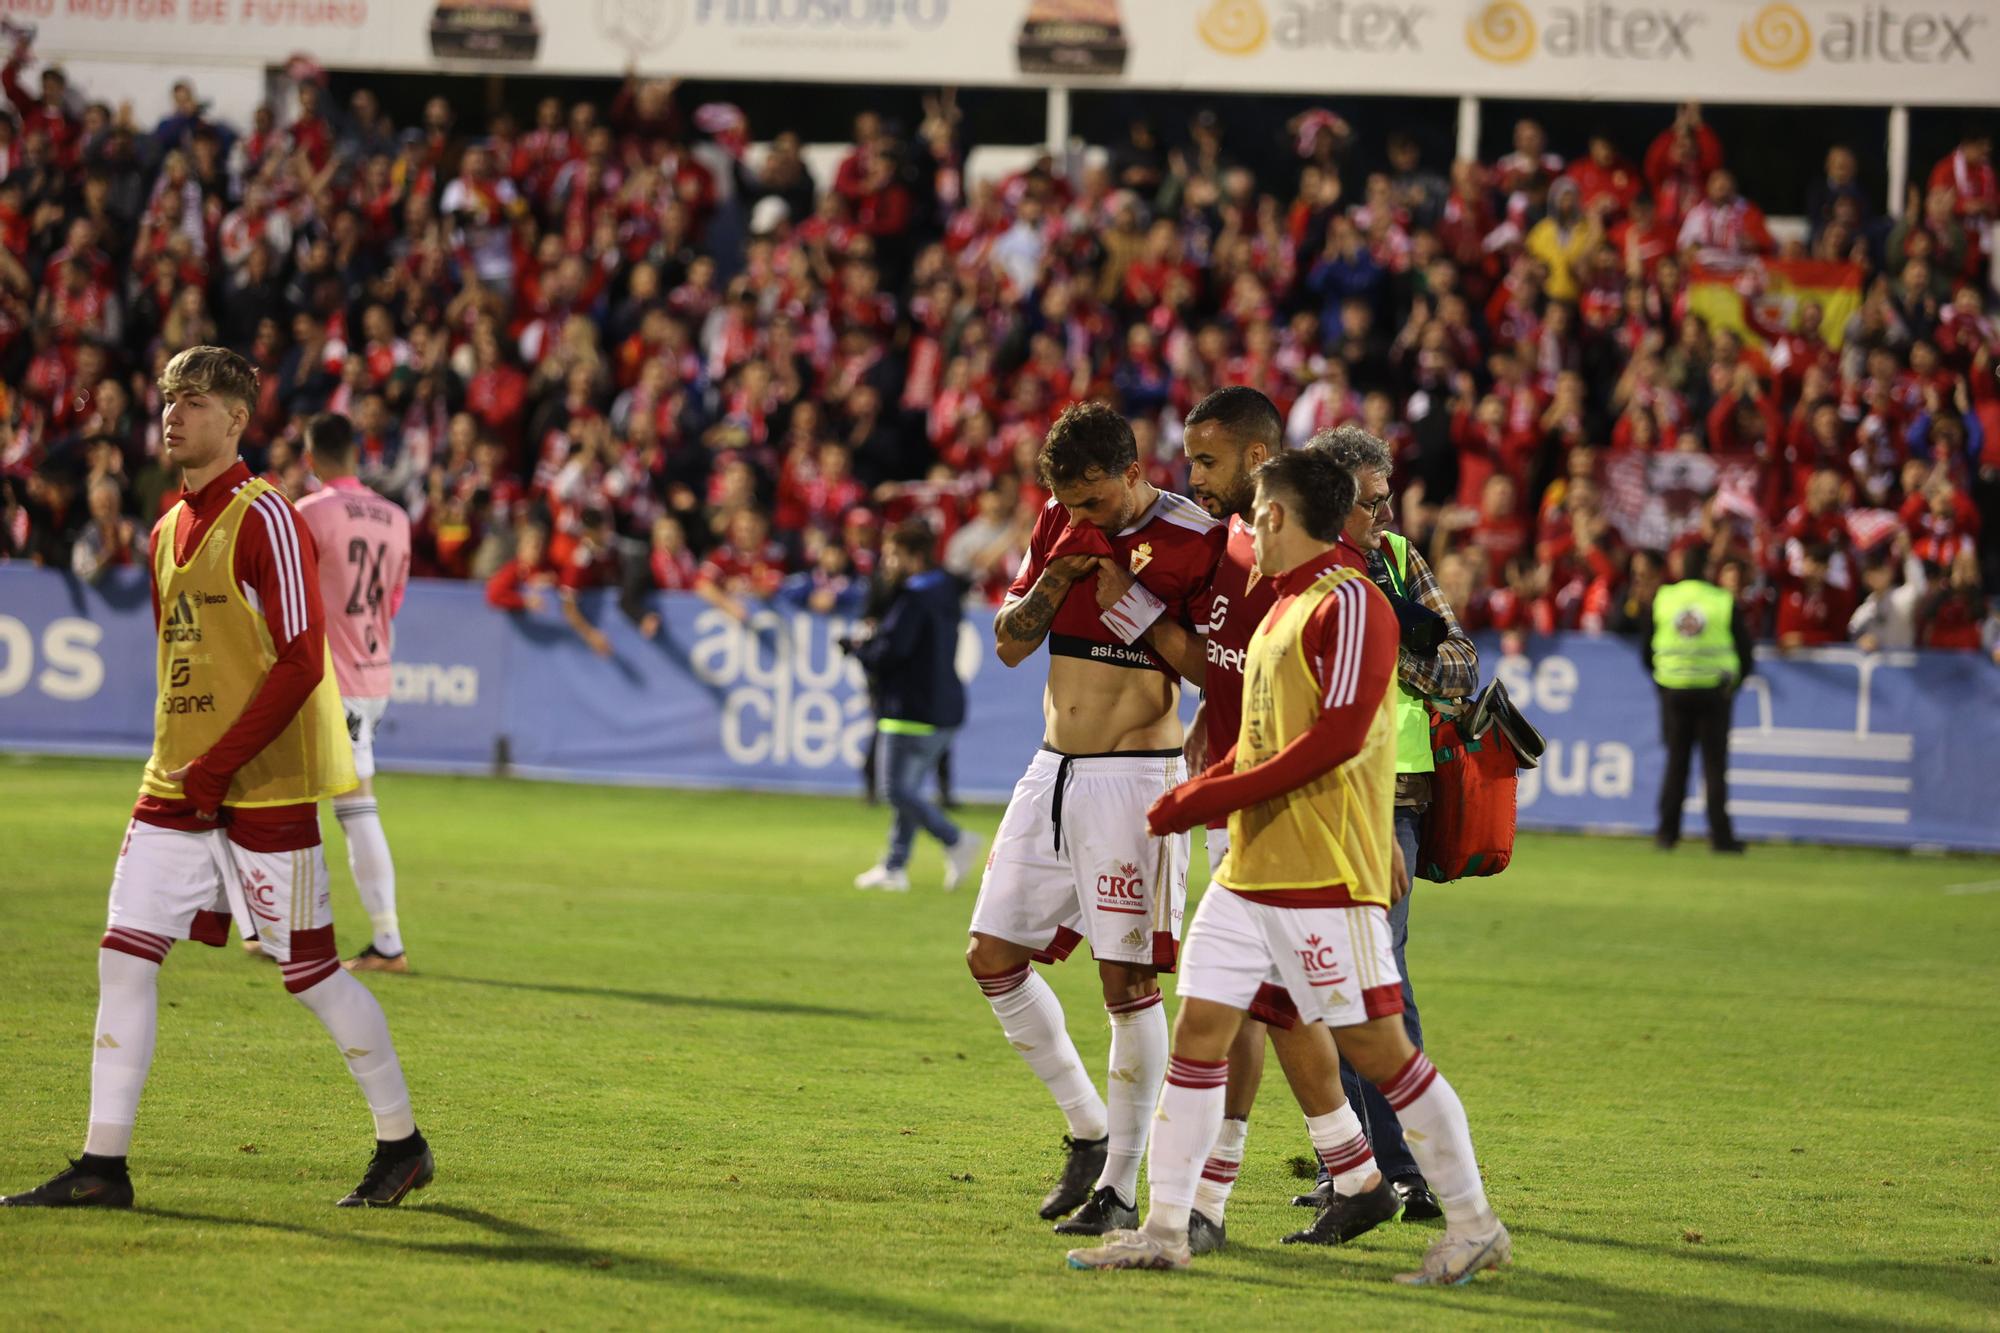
<point>1096,708</point>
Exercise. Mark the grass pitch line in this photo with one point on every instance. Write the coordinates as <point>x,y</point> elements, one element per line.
<point>1983,886</point>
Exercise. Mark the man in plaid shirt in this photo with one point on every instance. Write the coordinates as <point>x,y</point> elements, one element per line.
<point>1437,666</point>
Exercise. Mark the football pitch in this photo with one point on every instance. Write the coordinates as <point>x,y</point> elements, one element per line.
<point>678,1073</point>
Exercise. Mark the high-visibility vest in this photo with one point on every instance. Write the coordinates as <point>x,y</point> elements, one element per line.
<point>214,651</point>
<point>1413,717</point>
<point>1692,646</point>
<point>1338,828</point>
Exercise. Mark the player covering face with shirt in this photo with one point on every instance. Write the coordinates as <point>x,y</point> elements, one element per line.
<point>1073,860</point>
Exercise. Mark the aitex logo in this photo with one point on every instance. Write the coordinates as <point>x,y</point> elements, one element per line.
<point>1505,32</point>
<point>1123,891</point>
<point>1778,37</point>
<point>1241,27</point>
<point>1234,27</point>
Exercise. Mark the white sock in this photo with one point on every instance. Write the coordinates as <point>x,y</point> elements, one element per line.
<point>353,1018</point>
<point>1032,1017</point>
<point>128,1007</point>
<point>1337,1138</point>
<point>1434,1126</point>
<point>1132,1089</point>
<point>374,870</point>
<point>1218,1173</point>
<point>1184,1130</point>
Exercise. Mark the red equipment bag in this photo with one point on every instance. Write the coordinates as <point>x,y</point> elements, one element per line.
<point>1469,828</point>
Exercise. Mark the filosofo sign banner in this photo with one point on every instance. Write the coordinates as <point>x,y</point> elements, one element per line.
<point>1831,746</point>
<point>1830,51</point>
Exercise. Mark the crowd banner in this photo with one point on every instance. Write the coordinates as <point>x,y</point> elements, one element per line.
<point>1836,52</point>
<point>1892,749</point>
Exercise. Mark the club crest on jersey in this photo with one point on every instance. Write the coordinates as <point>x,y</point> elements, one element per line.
<point>1142,555</point>
<point>1123,891</point>
<point>259,896</point>
<point>1322,963</point>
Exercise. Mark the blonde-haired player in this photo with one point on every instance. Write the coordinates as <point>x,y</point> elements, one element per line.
<point>248,737</point>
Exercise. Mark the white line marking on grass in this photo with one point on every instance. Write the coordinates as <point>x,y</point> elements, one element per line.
<point>1983,886</point>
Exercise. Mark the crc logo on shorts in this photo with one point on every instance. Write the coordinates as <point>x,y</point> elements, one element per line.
<point>1123,892</point>
<point>1322,963</point>
<point>260,896</point>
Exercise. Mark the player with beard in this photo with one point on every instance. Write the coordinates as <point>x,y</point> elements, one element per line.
<point>1111,745</point>
<point>1228,435</point>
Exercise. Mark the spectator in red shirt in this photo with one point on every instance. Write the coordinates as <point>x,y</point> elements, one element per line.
<point>1813,612</point>
<point>746,567</point>
<point>1604,175</point>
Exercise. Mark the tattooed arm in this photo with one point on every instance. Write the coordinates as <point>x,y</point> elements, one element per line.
<point>1024,622</point>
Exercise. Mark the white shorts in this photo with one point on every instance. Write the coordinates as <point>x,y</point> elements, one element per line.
<point>1073,861</point>
<point>172,883</point>
<point>363,716</point>
<point>1330,965</point>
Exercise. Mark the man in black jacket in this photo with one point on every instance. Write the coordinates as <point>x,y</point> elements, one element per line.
<point>920,703</point>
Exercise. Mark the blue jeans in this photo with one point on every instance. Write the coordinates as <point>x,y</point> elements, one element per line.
<point>902,766</point>
<point>1385,1132</point>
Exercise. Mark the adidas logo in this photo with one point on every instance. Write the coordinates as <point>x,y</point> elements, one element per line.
<point>1125,1076</point>
<point>1134,938</point>
<point>1022,1046</point>
<point>107,1043</point>
<point>354,1052</point>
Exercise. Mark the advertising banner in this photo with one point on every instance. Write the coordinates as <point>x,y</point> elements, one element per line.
<point>1837,52</point>
<point>1834,745</point>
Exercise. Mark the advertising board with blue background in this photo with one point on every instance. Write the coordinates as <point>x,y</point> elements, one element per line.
<point>1831,745</point>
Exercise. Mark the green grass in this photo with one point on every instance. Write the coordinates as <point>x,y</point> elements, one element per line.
<point>678,1073</point>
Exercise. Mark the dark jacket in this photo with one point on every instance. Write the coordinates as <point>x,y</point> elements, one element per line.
<point>911,658</point>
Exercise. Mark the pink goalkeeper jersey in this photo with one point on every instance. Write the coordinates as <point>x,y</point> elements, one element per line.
<point>364,563</point>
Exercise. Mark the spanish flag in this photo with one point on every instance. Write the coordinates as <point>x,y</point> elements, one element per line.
<point>1763,299</point>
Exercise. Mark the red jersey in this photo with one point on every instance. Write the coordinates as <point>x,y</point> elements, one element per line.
<point>1239,598</point>
<point>277,569</point>
<point>1172,548</point>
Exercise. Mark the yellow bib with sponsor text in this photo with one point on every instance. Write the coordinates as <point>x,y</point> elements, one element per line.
<point>1338,828</point>
<point>214,651</point>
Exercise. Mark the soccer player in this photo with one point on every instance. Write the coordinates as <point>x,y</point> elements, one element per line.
<point>1228,435</point>
<point>1072,859</point>
<point>1437,666</point>
<point>247,739</point>
<point>1301,898</point>
<point>366,541</point>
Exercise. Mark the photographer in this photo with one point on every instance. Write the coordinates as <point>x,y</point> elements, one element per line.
<point>920,703</point>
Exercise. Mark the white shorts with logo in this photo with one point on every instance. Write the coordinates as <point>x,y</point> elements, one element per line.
<point>363,717</point>
<point>1330,965</point>
<point>1073,861</point>
<point>165,879</point>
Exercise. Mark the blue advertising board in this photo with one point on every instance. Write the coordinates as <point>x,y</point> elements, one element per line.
<point>1831,745</point>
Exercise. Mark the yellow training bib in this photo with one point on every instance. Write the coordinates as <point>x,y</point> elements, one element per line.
<point>214,651</point>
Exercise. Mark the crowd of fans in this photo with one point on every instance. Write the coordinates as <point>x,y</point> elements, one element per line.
<point>618,346</point>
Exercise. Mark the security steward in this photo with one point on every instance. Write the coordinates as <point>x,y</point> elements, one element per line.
<point>1698,649</point>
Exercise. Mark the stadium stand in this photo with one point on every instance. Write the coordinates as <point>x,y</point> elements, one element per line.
<point>703,360</point>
